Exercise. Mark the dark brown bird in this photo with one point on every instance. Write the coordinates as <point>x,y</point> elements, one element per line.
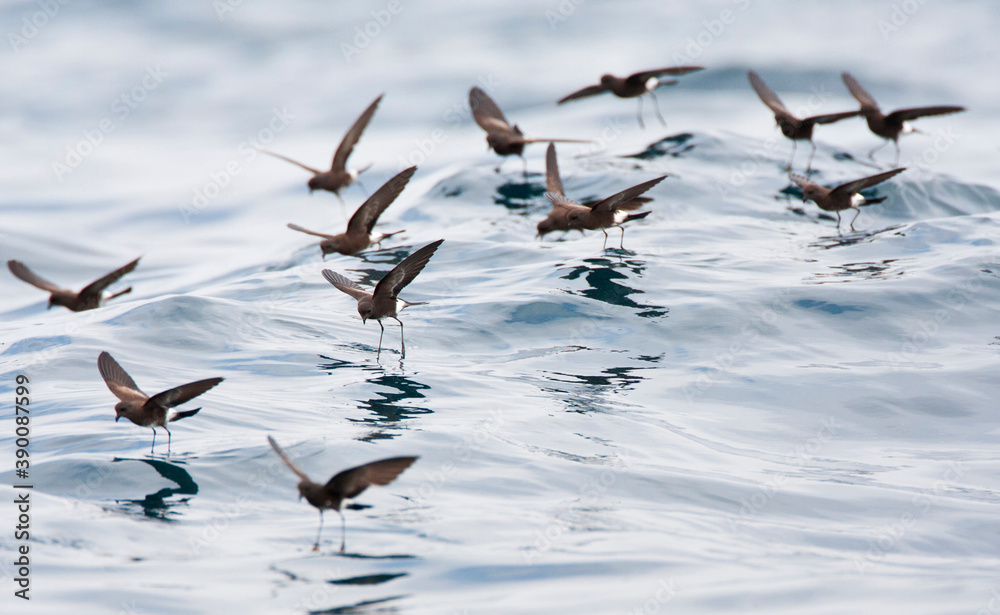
<point>558,218</point>
<point>383,301</point>
<point>92,295</point>
<point>144,410</point>
<point>635,85</point>
<point>890,126</point>
<point>792,127</point>
<point>339,176</point>
<point>605,213</point>
<point>844,196</point>
<point>358,236</point>
<point>502,137</point>
<point>343,486</point>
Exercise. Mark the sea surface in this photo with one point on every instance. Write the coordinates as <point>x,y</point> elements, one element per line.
<point>742,410</point>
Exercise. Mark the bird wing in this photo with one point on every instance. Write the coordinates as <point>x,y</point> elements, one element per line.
<point>563,201</point>
<point>351,138</point>
<point>859,93</point>
<point>350,483</point>
<point>298,164</point>
<point>799,180</point>
<point>830,118</point>
<point>486,112</point>
<point>120,383</point>
<point>97,287</point>
<point>288,462</point>
<point>366,216</point>
<point>646,75</point>
<point>344,285</point>
<point>590,90</point>
<point>543,140</point>
<point>403,273</point>
<point>296,227</point>
<point>553,183</point>
<point>852,187</point>
<point>613,202</point>
<point>766,94</point>
<point>24,274</point>
<point>182,394</point>
<point>902,115</point>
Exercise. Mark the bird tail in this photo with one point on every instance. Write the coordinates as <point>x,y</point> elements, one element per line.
<point>388,235</point>
<point>183,415</point>
<point>873,201</point>
<point>638,216</point>
<point>119,293</point>
<point>409,303</point>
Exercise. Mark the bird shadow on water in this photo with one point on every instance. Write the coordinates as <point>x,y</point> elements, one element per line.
<point>586,393</point>
<point>852,238</point>
<point>155,505</point>
<point>519,197</point>
<point>672,145</point>
<point>607,277</point>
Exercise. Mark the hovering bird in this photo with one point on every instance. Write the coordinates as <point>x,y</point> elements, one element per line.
<point>92,295</point>
<point>890,126</point>
<point>634,86</point>
<point>502,137</point>
<point>339,176</point>
<point>844,196</point>
<point>792,127</point>
<point>558,218</point>
<point>605,213</point>
<point>383,302</point>
<point>144,410</point>
<point>343,486</point>
<point>358,236</point>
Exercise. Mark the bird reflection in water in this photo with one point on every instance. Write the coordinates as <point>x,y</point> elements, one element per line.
<point>155,505</point>
<point>606,278</point>
<point>849,272</point>
<point>523,197</point>
<point>586,393</point>
<point>674,146</point>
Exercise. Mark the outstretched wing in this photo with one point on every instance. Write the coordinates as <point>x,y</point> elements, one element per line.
<point>350,483</point>
<point>97,287</point>
<point>288,462</point>
<point>857,185</point>
<point>859,93</point>
<point>830,118</point>
<point>561,200</point>
<point>799,180</point>
<point>344,285</point>
<point>486,112</point>
<point>590,90</point>
<point>298,164</point>
<point>902,115</point>
<point>766,94</point>
<point>613,202</point>
<point>351,138</point>
<point>120,383</point>
<point>366,216</point>
<point>182,394</point>
<point>24,274</point>
<point>403,273</point>
<point>553,183</point>
<point>646,75</point>
<point>296,227</point>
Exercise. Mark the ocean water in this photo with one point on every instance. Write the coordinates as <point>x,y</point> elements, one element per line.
<point>743,410</point>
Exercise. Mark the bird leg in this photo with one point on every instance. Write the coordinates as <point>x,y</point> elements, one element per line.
<point>838,220</point>
<point>811,154</point>
<point>656,107</point>
<point>343,531</point>
<point>402,344</point>
<point>168,438</point>
<point>524,161</point>
<point>381,333</point>
<point>153,447</point>
<point>871,154</point>
<point>604,247</point>
<point>621,245</point>
<point>857,212</point>
<point>639,116</point>
<point>896,163</point>
<point>795,144</point>
<point>320,530</point>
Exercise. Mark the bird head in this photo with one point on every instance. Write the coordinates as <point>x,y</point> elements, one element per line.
<point>121,410</point>
<point>313,184</point>
<point>365,309</point>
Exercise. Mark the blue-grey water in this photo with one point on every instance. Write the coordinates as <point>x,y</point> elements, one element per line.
<point>742,411</point>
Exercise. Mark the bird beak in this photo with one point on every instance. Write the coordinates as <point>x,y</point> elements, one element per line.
<point>364,320</point>
<point>117,416</point>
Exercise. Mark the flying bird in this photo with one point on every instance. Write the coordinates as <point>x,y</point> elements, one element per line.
<point>558,218</point>
<point>634,86</point>
<point>144,410</point>
<point>606,213</point>
<point>792,127</point>
<point>383,301</point>
<point>358,236</point>
<point>339,176</point>
<point>343,486</point>
<point>502,137</point>
<point>92,295</point>
<point>890,126</point>
<point>844,196</point>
